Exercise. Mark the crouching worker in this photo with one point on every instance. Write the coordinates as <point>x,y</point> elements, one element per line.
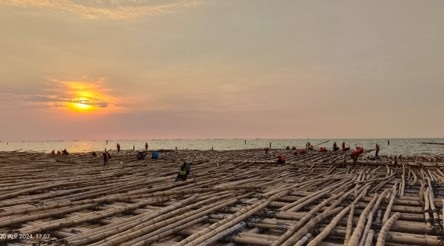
<point>356,153</point>
<point>281,159</point>
<point>184,171</point>
<point>140,155</point>
<point>155,155</point>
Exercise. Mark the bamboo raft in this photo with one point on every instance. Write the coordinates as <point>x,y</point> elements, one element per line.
<point>230,198</point>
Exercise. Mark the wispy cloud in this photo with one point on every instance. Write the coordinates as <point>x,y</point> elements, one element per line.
<point>109,9</point>
<point>71,96</point>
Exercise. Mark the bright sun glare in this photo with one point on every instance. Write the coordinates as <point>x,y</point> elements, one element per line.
<point>82,104</point>
<point>87,98</point>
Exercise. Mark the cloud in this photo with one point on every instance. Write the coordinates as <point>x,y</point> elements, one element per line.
<point>107,9</point>
<point>94,96</point>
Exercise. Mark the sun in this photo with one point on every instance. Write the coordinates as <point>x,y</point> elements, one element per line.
<point>77,98</point>
<point>81,105</point>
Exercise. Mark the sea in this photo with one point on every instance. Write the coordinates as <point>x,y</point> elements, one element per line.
<point>395,146</point>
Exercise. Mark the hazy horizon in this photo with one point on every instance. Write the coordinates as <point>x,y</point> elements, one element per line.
<point>214,69</point>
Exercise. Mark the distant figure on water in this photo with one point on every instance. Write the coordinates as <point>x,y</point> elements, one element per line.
<point>106,157</point>
<point>94,154</point>
<point>118,147</point>
<point>146,146</point>
<point>65,152</point>
<point>335,147</point>
<point>377,151</point>
<point>287,148</point>
<point>52,153</point>
<point>266,150</point>
<point>388,142</point>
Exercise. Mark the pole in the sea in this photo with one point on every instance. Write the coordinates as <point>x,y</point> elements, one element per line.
<point>245,141</point>
<point>388,142</point>
<point>176,147</point>
<point>270,145</point>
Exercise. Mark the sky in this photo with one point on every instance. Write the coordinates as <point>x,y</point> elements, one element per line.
<point>192,69</point>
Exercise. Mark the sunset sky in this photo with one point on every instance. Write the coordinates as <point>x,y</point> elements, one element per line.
<point>144,69</point>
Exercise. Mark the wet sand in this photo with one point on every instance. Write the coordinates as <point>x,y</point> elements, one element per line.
<point>240,197</point>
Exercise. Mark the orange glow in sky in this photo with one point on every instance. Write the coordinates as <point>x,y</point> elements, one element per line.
<point>87,97</point>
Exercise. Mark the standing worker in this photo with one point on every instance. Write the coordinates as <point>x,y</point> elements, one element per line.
<point>335,147</point>
<point>106,157</point>
<point>118,147</point>
<point>146,146</point>
<point>377,151</point>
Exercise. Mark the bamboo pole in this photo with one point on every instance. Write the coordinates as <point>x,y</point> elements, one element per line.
<point>307,227</point>
<point>302,221</point>
<point>390,205</point>
<point>214,239</point>
<point>319,238</point>
<point>354,239</point>
<point>229,221</point>
<point>303,240</point>
<point>369,238</point>
<point>349,224</point>
<point>370,217</point>
<point>385,228</point>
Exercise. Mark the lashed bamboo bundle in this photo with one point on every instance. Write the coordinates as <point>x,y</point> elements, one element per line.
<point>308,226</point>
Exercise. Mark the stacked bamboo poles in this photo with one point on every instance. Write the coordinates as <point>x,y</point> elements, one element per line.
<point>370,219</point>
<point>319,238</point>
<point>241,175</point>
<point>304,220</point>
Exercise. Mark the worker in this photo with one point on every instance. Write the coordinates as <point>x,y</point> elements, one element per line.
<point>184,171</point>
<point>335,147</point>
<point>377,152</point>
<point>106,157</point>
<point>281,159</point>
<point>155,155</point>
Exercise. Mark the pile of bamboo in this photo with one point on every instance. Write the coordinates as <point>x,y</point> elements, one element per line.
<point>230,197</point>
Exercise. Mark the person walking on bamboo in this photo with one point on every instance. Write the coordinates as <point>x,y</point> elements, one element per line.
<point>106,157</point>
<point>118,147</point>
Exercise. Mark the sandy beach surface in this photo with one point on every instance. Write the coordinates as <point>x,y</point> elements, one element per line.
<point>229,198</point>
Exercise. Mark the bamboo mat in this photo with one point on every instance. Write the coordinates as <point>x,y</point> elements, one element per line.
<point>230,198</point>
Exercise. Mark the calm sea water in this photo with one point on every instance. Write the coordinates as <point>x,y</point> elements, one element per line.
<point>397,146</point>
